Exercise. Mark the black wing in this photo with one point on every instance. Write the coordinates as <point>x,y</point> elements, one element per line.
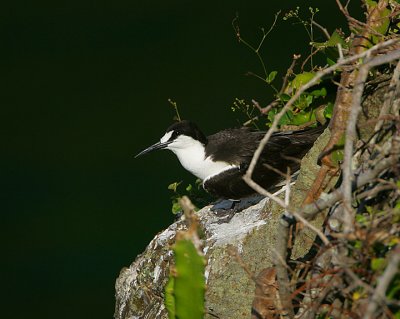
<point>237,146</point>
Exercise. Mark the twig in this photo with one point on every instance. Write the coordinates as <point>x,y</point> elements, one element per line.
<point>383,283</point>
<point>393,90</point>
<point>265,34</point>
<point>310,56</point>
<point>373,192</point>
<point>259,189</point>
<point>324,30</point>
<point>274,169</point>
<point>264,110</point>
<point>349,18</point>
<point>351,133</point>
<point>235,26</point>
<point>343,9</point>
<point>318,295</point>
<point>175,106</point>
<point>287,190</point>
<point>311,210</point>
<point>320,272</point>
<point>340,50</point>
<point>289,72</point>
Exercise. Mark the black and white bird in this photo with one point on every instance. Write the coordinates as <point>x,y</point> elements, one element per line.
<point>220,160</point>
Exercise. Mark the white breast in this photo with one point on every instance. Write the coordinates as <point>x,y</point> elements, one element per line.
<point>191,154</point>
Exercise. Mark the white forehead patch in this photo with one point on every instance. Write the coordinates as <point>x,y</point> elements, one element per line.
<point>166,137</point>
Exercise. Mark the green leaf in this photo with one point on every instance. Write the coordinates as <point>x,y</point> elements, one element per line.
<point>271,76</point>
<point>302,79</point>
<point>361,219</point>
<point>317,93</point>
<point>378,263</point>
<point>176,207</point>
<point>284,97</point>
<point>189,283</point>
<point>394,288</point>
<point>271,114</point>
<point>199,183</point>
<point>302,117</point>
<point>328,110</point>
<point>304,101</point>
<point>337,156</point>
<point>358,244</point>
<point>370,4</point>
<point>330,61</point>
<point>286,118</point>
<point>309,99</point>
<point>333,41</point>
<point>382,25</point>
<point>169,300</point>
<point>174,186</point>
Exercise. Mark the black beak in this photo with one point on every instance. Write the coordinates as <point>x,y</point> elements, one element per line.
<point>157,146</point>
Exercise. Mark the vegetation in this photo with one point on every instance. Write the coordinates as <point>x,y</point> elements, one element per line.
<point>352,271</point>
<point>184,293</point>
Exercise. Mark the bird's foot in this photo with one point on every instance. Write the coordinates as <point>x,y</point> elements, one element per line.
<point>224,204</point>
<point>226,208</point>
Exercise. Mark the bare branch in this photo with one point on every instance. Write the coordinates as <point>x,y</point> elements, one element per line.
<point>259,189</point>
<point>351,133</point>
<point>324,30</point>
<point>351,136</point>
<point>287,190</point>
<point>393,90</point>
<point>352,21</point>
<point>383,283</point>
<point>311,210</point>
<point>289,72</point>
<point>340,50</point>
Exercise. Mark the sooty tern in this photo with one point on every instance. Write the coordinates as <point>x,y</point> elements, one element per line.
<point>220,160</point>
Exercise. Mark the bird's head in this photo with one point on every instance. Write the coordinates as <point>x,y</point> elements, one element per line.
<point>178,136</point>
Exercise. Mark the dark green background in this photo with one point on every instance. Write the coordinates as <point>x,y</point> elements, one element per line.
<point>84,86</point>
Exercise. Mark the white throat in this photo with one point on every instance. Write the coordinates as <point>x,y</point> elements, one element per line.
<point>191,154</point>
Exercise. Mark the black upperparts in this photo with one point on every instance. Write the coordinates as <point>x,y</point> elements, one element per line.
<point>237,146</point>
<point>283,151</point>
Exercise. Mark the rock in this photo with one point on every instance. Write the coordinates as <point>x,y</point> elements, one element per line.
<point>229,245</point>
